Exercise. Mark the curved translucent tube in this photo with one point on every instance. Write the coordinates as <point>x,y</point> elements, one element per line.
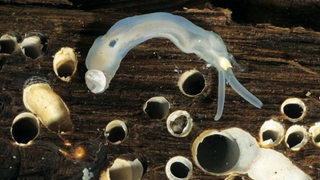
<point>106,53</point>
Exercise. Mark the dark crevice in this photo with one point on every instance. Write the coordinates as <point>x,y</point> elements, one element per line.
<point>278,13</point>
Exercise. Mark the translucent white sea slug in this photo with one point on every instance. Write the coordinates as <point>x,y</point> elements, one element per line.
<point>106,53</point>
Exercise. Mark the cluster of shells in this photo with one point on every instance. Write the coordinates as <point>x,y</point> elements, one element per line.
<point>272,132</point>
<point>233,149</point>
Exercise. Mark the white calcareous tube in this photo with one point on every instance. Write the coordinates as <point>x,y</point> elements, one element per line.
<point>107,52</point>
<point>235,151</point>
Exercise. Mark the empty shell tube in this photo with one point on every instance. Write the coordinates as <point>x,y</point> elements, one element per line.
<point>124,169</point>
<point>40,99</point>
<point>271,133</point>
<point>157,107</point>
<point>191,83</point>
<point>179,168</point>
<point>235,151</point>
<point>9,42</point>
<point>296,137</point>
<point>179,123</point>
<point>25,128</point>
<point>116,131</point>
<point>315,134</point>
<point>65,64</point>
<point>34,45</point>
<point>293,109</point>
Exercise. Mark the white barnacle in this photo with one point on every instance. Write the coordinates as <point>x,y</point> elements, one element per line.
<point>106,53</point>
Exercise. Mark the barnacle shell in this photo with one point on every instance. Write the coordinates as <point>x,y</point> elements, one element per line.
<point>296,137</point>
<point>179,168</point>
<point>40,99</point>
<point>124,168</point>
<point>315,134</point>
<point>9,42</point>
<point>179,123</point>
<point>116,131</point>
<point>34,45</point>
<point>235,151</point>
<point>225,152</point>
<point>191,83</point>
<point>25,128</point>
<point>293,109</point>
<point>271,133</point>
<point>156,107</point>
<point>65,63</point>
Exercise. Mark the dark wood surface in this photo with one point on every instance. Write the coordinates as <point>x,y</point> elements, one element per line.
<point>278,62</point>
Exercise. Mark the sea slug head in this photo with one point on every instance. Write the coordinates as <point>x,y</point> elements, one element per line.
<point>96,78</point>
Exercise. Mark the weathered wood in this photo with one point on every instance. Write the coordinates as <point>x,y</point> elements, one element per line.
<point>277,62</point>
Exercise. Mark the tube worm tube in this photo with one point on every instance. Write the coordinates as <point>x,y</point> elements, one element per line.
<point>116,131</point>
<point>65,64</point>
<point>179,168</point>
<point>296,137</point>
<point>191,83</point>
<point>34,45</point>
<point>124,168</point>
<point>25,128</point>
<point>315,134</point>
<point>9,42</point>
<point>107,52</point>
<point>157,107</point>
<point>235,151</point>
<point>179,123</point>
<point>271,133</point>
<point>40,99</point>
<point>293,109</point>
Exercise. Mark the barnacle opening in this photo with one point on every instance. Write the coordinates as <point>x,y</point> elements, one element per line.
<point>66,69</point>
<point>296,137</point>
<point>179,168</point>
<point>293,109</point>
<point>271,133</point>
<point>25,128</point>
<point>123,169</point>
<point>157,107</point>
<point>116,131</point>
<point>34,45</point>
<point>9,42</point>
<point>65,63</point>
<point>179,123</point>
<point>191,83</point>
<point>315,134</point>
<point>216,153</point>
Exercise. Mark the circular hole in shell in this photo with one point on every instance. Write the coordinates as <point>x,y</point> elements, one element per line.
<point>179,123</point>
<point>269,134</point>
<point>293,109</point>
<point>217,153</point>
<point>191,83</point>
<point>179,168</point>
<point>66,69</point>
<point>25,128</point>
<point>157,107</point>
<point>116,131</point>
<point>296,137</point>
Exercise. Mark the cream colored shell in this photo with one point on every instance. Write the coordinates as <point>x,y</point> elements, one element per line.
<point>294,101</point>
<point>178,159</point>
<point>123,169</point>
<point>33,126</point>
<point>315,134</point>
<point>65,64</point>
<point>185,128</point>
<point>41,100</point>
<point>275,130</point>
<point>299,132</point>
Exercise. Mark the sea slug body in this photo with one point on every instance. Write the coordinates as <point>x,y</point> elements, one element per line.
<point>106,53</point>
